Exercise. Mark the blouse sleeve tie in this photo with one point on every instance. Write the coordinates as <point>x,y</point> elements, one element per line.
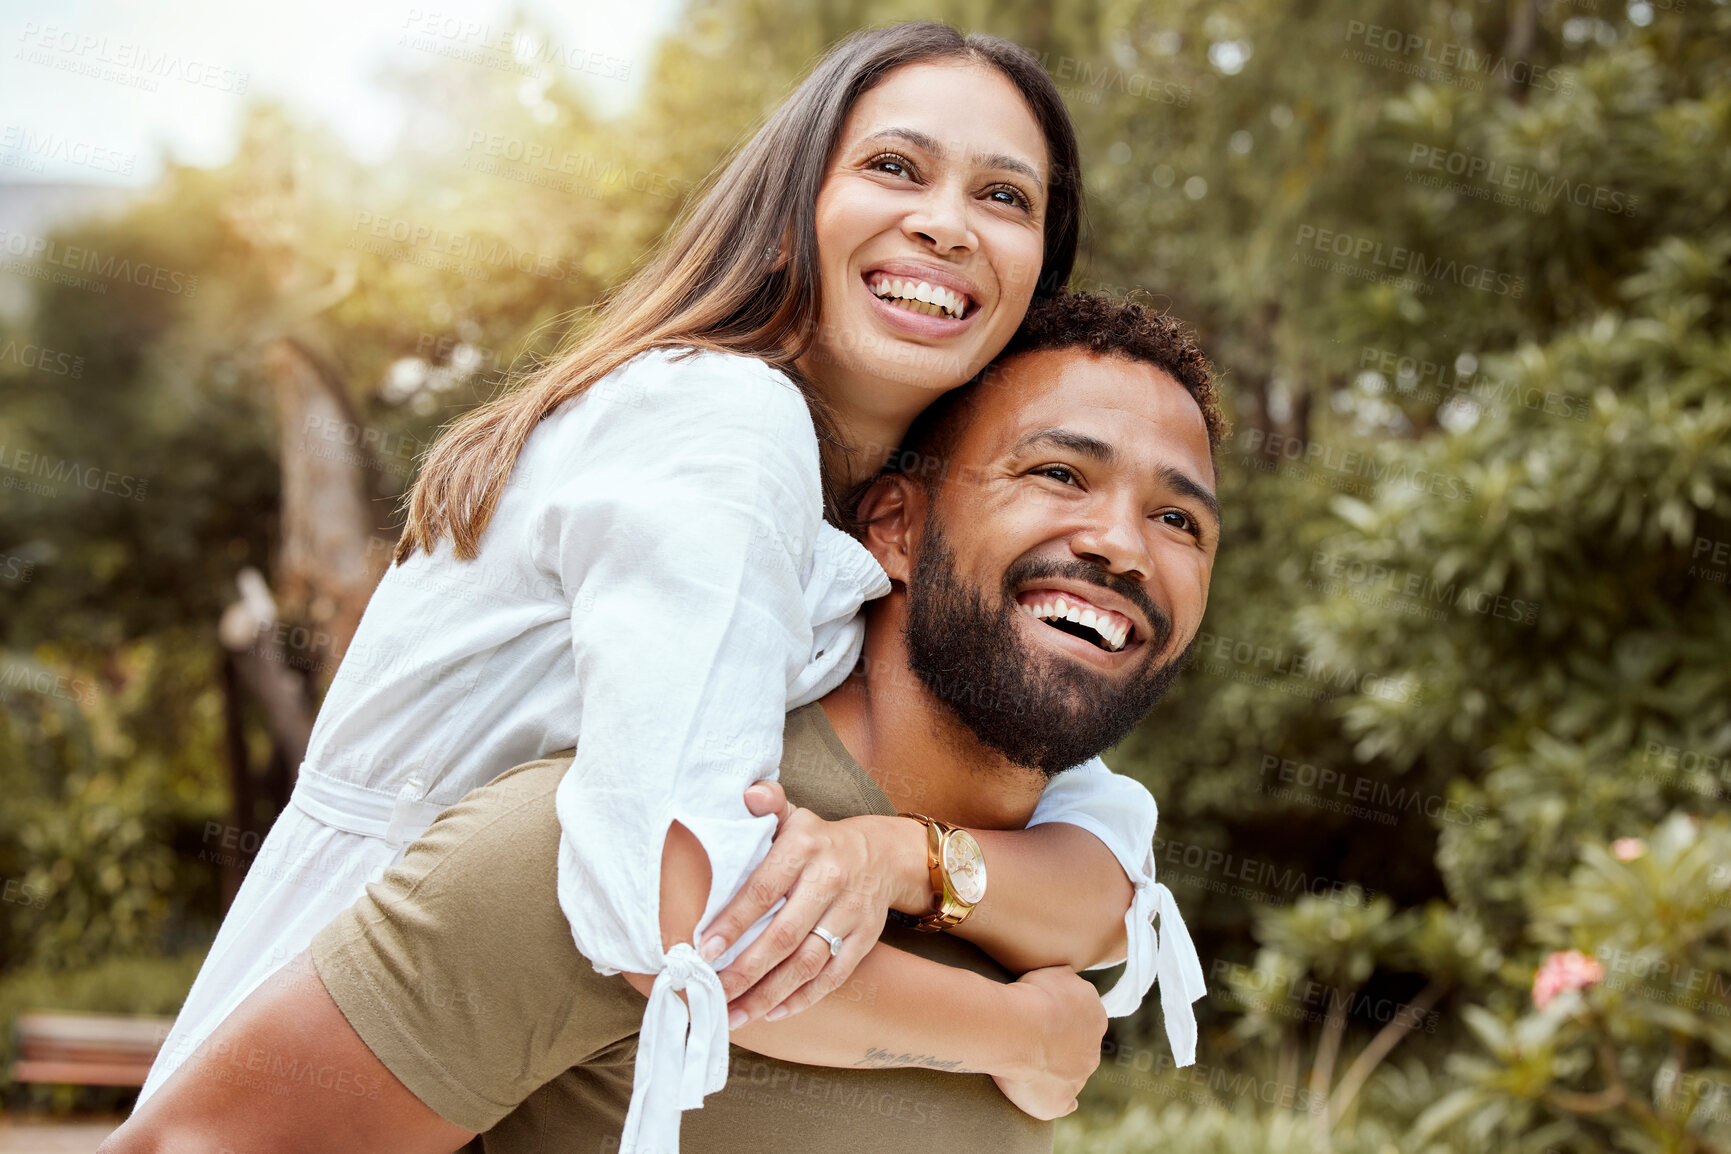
<point>1121,812</point>
<point>1176,966</point>
<point>668,1056</point>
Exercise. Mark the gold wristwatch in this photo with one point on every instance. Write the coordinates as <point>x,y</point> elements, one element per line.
<point>958,870</point>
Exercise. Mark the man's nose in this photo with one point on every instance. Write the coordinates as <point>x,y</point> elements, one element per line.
<point>1113,538</point>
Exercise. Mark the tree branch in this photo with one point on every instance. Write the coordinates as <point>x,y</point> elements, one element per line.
<point>1372,1055</point>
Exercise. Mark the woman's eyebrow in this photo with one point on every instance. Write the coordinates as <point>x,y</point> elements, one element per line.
<point>930,144</point>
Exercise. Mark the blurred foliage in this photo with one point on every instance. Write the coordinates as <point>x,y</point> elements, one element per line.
<point>1467,629</point>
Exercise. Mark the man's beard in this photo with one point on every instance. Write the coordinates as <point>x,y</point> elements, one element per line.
<point>1043,712</point>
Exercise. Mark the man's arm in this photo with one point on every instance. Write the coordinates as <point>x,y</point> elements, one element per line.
<point>1038,1037</point>
<point>1056,897</point>
<point>285,1074</point>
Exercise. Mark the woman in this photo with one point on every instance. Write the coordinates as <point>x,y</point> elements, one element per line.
<point>629,555</point>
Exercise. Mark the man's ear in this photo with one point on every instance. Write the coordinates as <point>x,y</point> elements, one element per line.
<point>893,511</point>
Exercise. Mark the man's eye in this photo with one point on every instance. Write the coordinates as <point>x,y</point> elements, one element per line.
<point>1058,473</point>
<point>1180,520</point>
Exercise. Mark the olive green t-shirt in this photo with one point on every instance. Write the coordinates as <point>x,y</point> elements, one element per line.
<point>458,970</point>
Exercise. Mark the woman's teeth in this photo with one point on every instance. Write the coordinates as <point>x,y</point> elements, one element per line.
<point>920,296</point>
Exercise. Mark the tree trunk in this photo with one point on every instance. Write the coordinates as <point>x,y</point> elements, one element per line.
<point>249,632</point>
<point>1523,22</point>
<point>328,566</point>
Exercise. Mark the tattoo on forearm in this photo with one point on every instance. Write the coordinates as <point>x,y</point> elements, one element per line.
<point>877,1059</point>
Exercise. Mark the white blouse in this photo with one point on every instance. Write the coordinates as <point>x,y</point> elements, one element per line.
<point>657,588</point>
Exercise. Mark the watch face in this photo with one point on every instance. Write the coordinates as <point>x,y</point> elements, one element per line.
<point>966,866</point>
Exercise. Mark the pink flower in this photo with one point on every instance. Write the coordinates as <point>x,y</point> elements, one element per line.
<point>1570,970</point>
<point>1628,848</point>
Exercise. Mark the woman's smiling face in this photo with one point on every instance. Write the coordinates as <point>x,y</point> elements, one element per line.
<point>930,234</point>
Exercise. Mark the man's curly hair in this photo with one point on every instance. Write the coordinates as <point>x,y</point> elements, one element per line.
<point>1078,320</point>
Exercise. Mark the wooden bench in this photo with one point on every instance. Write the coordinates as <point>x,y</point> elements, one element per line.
<point>87,1049</point>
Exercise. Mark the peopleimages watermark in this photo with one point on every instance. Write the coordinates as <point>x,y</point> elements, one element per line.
<point>442,348</point>
<point>1349,470</point>
<point>1273,665</point>
<point>802,1090</point>
<point>18,892</point>
<point>333,439</point>
<point>266,1070</point>
<point>36,473</point>
<point>470,255</point>
<point>1444,61</point>
<point>121,61</point>
<point>311,651</point>
<point>1334,572</point>
<point>1716,553</point>
<point>1382,801</point>
<point>530,162</point>
<point>23,677</point>
<point>1198,1083</point>
<point>1436,381</point>
<point>1510,184</point>
<point>1709,1094</point>
<point>228,846</point>
<point>80,259</point>
<point>1273,992</point>
<point>32,150</point>
<point>41,359</point>
<point>507,49</point>
<point>1265,880</point>
<point>1666,980</point>
<point>1662,762</point>
<point>16,569</point>
<point>1353,251</point>
<point>1085,82</point>
<point>850,346</point>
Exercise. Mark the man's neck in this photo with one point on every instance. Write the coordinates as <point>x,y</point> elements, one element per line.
<point>923,757</point>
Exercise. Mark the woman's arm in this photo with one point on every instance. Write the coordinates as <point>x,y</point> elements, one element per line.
<point>1039,1036</point>
<point>1058,895</point>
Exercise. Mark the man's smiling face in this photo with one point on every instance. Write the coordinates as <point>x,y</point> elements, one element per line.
<point>1063,566</point>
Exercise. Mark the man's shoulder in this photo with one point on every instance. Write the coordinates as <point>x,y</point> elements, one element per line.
<point>523,794</point>
<point>819,773</point>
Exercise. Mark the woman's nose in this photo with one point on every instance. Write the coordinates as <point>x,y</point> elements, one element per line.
<point>941,220</point>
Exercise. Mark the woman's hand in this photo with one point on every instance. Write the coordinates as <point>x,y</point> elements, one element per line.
<point>841,875</point>
<point>1066,1021</point>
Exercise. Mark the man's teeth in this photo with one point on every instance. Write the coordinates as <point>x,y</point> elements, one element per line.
<point>920,296</point>
<point>1057,608</point>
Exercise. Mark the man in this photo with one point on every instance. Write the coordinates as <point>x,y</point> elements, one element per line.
<point>1049,542</point>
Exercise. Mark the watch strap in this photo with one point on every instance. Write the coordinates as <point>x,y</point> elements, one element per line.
<point>947,909</point>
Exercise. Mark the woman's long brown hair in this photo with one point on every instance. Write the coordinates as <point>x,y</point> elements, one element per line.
<point>711,285</point>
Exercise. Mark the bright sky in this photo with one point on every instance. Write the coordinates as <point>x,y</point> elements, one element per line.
<point>92,88</point>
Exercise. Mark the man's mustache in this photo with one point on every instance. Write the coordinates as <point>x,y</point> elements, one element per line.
<point>1033,569</point>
